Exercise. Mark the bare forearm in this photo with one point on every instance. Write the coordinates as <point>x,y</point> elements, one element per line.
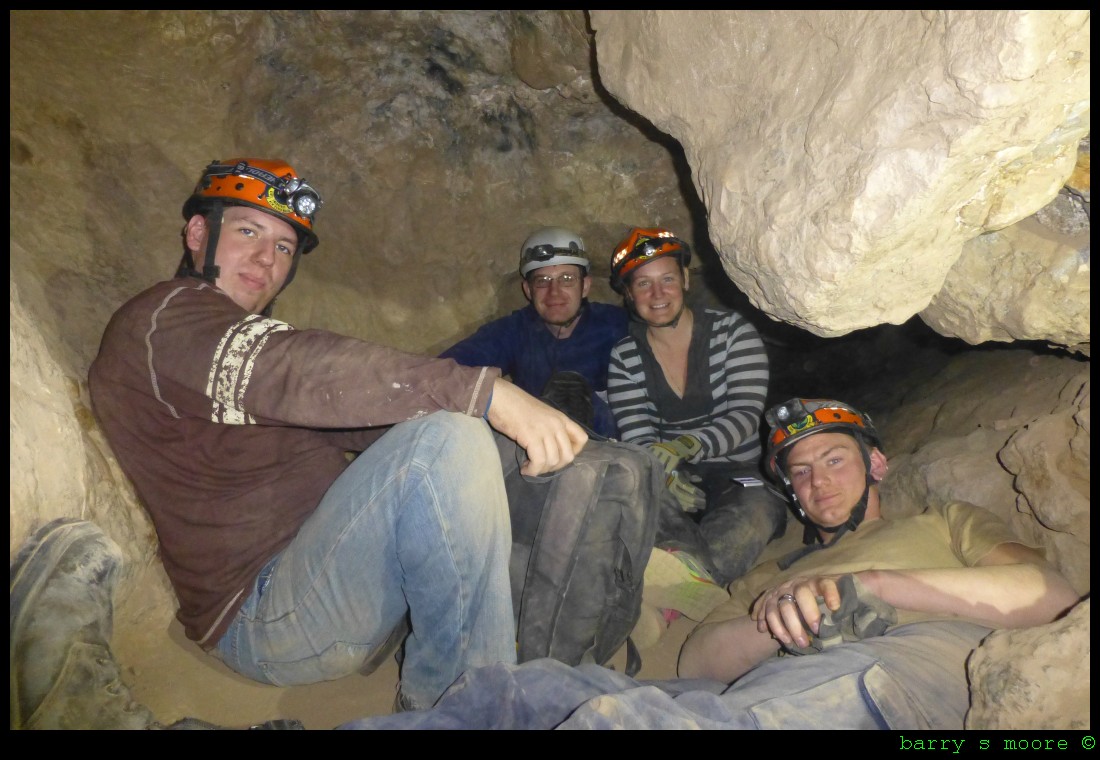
<point>725,651</point>
<point>1001,596</point>
<point>550,439</point>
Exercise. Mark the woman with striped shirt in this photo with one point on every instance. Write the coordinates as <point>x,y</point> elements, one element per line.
<point>692,387</point>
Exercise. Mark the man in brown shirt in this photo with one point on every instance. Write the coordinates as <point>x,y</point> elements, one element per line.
<point>290,562</point>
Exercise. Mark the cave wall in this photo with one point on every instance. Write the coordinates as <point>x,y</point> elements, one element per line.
<point>439,139</point>
<point>849,158</point>
<point>434,156</point>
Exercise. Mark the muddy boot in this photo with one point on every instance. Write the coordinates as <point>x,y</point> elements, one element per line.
<point>63,674</point>
<point>570,393</point>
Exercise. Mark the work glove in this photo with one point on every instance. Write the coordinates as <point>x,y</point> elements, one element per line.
<point>672,453</point>
<point>860,616</point>
<point>689,495</point>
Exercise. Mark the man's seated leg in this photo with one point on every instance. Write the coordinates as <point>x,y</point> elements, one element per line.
<point>418,523</point>
<point>913,677</point>
<point>538,694</point>
<point>739,523</point>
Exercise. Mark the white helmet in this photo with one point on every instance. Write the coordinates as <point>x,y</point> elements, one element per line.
<point>549,247</point>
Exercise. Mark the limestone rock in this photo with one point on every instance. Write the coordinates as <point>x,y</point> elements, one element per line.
<point>47,459</point>
<point>552,49</point>
<point>1011,673</point>
<point>1025,282</point>
<point>1006,432</point>
<point>845,158</point>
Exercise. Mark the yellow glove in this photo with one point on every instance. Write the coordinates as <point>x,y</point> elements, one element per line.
<point>671,453</point>
<point>690,496</point>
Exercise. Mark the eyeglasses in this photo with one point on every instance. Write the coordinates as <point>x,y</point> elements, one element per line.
<point>544,281</point>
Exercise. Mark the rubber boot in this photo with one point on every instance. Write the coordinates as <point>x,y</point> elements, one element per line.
<point>63,674</point>
<point>570,393</point>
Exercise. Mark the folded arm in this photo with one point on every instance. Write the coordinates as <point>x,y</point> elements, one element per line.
<point>725,651</point>
<point>1012,586</point>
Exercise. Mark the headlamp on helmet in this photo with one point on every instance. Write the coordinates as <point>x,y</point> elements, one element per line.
<point>270,185</point>
<point>798,418</point>
<point>551,246</point>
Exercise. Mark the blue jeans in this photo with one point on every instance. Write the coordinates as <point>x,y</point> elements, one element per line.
<point>418,524</point>
<point>912,678</point>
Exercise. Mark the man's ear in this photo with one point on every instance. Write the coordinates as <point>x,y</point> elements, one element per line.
<point>526,288</point>
<point>194,234</point>
<point>879,465</point>
<point>586,285</point>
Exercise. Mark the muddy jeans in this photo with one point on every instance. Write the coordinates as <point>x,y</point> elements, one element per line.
<point>913,677</point>
<point>729,535</point>
<point>418,525</point>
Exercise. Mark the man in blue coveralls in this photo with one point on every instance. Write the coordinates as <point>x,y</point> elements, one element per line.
<point>559,345</point>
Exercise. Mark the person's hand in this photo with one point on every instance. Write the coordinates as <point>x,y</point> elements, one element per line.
<point>671,453</point>
<point>790,611</point>
<point>690,496</point>
<point>549,437</point>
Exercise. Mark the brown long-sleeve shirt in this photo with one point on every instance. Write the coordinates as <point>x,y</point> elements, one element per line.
<point>233,426</point>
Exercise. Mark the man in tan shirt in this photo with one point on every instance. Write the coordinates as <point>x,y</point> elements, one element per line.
<point>868,626</point>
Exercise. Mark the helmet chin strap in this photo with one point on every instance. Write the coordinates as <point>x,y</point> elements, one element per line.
<point>811,531</point>
<point>567,323</point>
<point>210,270</point>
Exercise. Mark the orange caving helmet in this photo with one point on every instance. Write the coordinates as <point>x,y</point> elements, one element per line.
<point>642,245</point>
<point>270,185</point>
<point>798,418</point>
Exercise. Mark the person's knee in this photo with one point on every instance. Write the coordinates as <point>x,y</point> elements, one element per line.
<point>455,423</point>
<point>767,511</point>
<point>465,463</point>
<point>458,441</point>
<point>462,429</point>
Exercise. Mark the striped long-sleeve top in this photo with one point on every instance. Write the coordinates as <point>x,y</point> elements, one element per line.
<point>724,399</point>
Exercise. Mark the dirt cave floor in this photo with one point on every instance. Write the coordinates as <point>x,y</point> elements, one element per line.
<point>171,676</point>
<point>174,679</point>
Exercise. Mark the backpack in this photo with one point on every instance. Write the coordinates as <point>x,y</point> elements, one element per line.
<point>581,539</point>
